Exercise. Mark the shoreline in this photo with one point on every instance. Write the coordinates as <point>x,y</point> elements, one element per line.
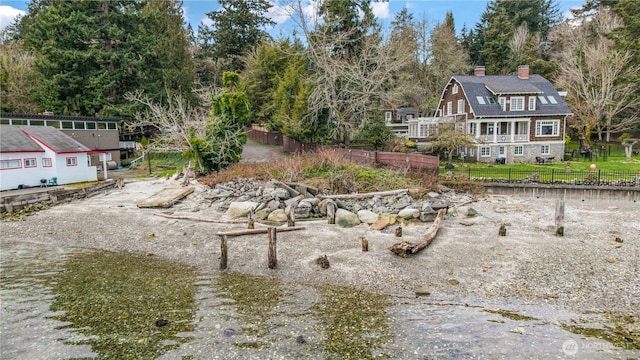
<point>586,270</point>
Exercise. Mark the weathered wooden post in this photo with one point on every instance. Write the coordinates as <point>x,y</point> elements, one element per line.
<point>223,252</point>
<point>331,213</point>
<point>273,259</point>
<point>560,217</point>
<point>251,223</point>
<point>503,230</point>
<point>365,245</point>
<point>399,231</point>
<point>291,216</point>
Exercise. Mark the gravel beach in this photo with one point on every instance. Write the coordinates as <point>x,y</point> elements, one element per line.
<point>594,267</point>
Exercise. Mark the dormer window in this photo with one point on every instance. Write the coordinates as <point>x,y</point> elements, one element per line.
<point>516,103</point>
<point>532,103</point>
<point>455,89</point>
<point>503,103</point>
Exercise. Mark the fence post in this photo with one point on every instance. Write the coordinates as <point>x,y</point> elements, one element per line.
<point>469,173</point>
<point>599,177</point>
<point>553,173</point>
<point>509,179</point>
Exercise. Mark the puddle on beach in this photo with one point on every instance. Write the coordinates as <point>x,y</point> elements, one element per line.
<point>68,303</point>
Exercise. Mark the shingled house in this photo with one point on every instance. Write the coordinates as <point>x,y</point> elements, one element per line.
<point>516,118</point>
<point>34,155</point>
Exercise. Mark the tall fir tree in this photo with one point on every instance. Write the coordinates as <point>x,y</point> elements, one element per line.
<point>238,27</point>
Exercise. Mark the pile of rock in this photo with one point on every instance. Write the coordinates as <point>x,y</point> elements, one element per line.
<point>272,200</point>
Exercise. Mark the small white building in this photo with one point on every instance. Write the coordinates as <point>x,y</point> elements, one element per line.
<point>32,156</point>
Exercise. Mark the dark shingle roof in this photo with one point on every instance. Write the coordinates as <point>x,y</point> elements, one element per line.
<point>19,139</point>
<point>491,85</point>
<point>12,139</point>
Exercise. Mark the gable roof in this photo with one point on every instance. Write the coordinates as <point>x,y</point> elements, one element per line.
<point>23,139</point>
<point>12,139</point>
<point>498,85</point>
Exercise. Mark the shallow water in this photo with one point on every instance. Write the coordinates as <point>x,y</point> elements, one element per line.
<point>68,303</point>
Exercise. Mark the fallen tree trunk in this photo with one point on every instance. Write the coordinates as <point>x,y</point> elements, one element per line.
<point>179,217</point>
<point>405,248</point>
<point>257,231</point>
<point>363,195</point>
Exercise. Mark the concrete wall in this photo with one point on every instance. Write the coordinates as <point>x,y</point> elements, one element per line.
<point>581,193</point>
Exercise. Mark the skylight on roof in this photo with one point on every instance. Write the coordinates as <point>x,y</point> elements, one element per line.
<point>543,100</point>
<point>491,100</point>
<point>480,100</point>
<point>552,99</point>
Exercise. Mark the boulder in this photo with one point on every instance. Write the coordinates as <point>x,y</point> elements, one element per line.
<point>346,219</point>
<point>384,220</point>
<point>262,214</point>
<point>277,216</point>
<point>409,213</point>
<point>303,210</point>
<point>368,217</point>
<point>238,209</point>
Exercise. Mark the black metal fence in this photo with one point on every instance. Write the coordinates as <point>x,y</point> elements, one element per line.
<point>545,176</point>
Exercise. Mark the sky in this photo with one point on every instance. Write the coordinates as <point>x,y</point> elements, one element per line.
<point>465,12</point>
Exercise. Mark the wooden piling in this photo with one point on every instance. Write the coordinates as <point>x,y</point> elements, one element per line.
<point>251,222</point>
<point>560,217</point>
<point>291,217</point>
<point>223,252</point>
<point>331,213</point>
<point>399,231</point>
<point>503,230</point>
<point>365,245</point>
<point>273,259</point>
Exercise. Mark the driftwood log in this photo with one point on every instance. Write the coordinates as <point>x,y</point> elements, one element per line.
<point>405,248</point>
<point>363,195</point>
<point>257,231</point>
<point>179,217</point>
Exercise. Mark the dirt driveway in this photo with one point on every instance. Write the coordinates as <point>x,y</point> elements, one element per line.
<point>254,152</point>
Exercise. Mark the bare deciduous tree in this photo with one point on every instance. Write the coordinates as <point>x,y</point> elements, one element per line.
<point>595,76</point>
<point>178,121</point>
<point>348,88</point>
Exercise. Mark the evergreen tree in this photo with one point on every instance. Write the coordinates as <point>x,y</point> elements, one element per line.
<point>91,53</point>
<point>237,28</point>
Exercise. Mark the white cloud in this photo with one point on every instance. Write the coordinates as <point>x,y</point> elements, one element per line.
<point>206,21</point>
<point>280,13</point>
<point>8,15</point>
<point>381,10</point>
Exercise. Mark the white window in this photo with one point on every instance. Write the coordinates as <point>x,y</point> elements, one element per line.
<point>480,100</point>
<point>485,151</point>
<point>503,103</point>
<point>516,103</point>
<point>543,100</point>
<point>518,150</point>
<point>30,163</point>
<point>409,116</point>
<point>552,99</point>
<point>455,89</point>
<point>449,108</point>
<point>460,106</point>
<point>387,116</point>
<point>547,127</point>
<point>10,164</point>
<point>72,161</point>
<point>46,162</point>
<point>545,150</point>
<point>532,103</point>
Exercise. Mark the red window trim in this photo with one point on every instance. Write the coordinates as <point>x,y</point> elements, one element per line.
<point>34,161</point>
<point>18,167</point>
<point>72,157</point>
<point>50,162</point>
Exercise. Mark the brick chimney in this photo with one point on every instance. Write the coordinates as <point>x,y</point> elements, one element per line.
<point>479,71</point>
<point>523,72</point>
